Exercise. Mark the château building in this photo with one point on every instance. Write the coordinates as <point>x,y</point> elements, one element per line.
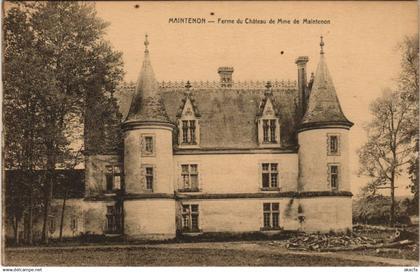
<point>226,156</point>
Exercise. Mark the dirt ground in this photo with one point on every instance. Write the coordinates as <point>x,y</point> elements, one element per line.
<point>186,254</point>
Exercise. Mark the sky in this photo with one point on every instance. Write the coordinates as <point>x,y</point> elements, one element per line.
<point>361,44</point>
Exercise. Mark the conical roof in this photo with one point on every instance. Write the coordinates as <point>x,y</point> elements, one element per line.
<point>323,107</point>
<point>147,104</point>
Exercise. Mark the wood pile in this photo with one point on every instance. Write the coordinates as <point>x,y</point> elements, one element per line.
<point>340,242</point>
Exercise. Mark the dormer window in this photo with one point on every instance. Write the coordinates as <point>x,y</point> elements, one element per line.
<point>188,132</point>
<point>268,123</point>
<point>269,130</point>
<point>188,122</point>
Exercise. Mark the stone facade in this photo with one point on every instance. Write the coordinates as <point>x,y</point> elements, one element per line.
<point>221,157</point>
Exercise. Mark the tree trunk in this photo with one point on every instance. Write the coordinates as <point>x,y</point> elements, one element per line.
<point>30,215</point>
<point>48,198</point>
<point>45,220</point>
<point>392,214</point>
<point>51,160</point>
<point>62,215</point>
<point>16,229</point>
<point>48,195</point>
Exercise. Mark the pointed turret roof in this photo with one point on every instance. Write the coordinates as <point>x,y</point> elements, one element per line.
<point>147,105</point>
<point>324,107</point>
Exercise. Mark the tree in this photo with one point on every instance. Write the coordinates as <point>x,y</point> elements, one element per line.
<point>69,60</point>
<point>70,161</point>
<point>388,149</point>
<point>372,208</point>
<point>409,85</point>
<point>23,150</point>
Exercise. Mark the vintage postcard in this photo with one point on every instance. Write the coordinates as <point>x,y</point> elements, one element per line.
<point>214,133</point>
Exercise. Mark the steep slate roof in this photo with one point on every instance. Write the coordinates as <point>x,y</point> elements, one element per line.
<point>147,104</point>
<point>323,107</point>
<point>228,117</point>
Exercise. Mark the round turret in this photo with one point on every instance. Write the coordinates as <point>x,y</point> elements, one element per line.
<point>148,162</point>
<point>324,156</point>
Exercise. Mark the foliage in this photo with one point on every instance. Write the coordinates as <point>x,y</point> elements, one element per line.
<point>409,85</point>
<point>55,60</point>
<point>392,146</point>
<point>389,147</point>
<point>374,209</point>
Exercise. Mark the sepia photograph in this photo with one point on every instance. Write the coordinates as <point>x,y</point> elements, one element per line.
<point>210,134</point>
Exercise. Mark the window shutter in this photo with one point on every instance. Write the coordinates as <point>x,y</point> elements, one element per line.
<point>339,144</point>
<point>142,145</point>
<point>329,176</point>
<point>143,177</point>
<point>328,145</point>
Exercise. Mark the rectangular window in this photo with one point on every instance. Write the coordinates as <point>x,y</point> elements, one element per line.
<point>192,131</point>
<point>190,214</point>
<point>149,178</point>
<point>273,131</point>
<point>189,132</point>
<point>149,144</point>
<point>185,132</point>
<point>113,177</point>
<point>109,182</point>
<point>334,175</point>
<point>270,175</point>
<point>189,175</point>
<point>194,176</point>
<point>269,130</point>
<point>265,131</point>
<point>271,215</point>
<point>113,216</point>
<point>333,144</point>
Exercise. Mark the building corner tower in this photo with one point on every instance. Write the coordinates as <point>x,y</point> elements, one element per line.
<point>149,205</point>
<point>323,139</point>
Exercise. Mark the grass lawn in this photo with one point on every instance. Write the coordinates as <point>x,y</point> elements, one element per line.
<point>166,257</point>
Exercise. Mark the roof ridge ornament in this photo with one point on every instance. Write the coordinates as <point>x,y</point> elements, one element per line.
<point>268,90</point>
<point>321,44</point>
<point>146,43</point>
<point>188,88</point>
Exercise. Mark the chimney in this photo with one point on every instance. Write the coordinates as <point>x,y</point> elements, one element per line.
<point>302,83</point>
<point>225,74</point>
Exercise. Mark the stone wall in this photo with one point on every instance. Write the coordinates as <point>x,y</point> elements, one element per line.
<point>149,219</point>
<point>94,214</point>
<point>238,173</point>
<point>327,213</point>
<point>246,215</point>
<point>161,160</point>
<point>240,215</point>
<point>314,160</point>
<point>95,179</point>
<point>74,210</point>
